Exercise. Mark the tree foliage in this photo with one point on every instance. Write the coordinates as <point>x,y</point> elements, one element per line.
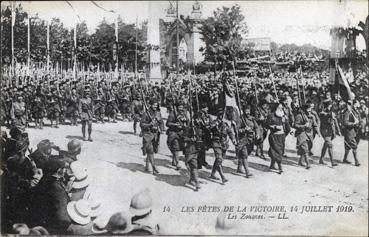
<point>223,33</point>
<point>92,48</point>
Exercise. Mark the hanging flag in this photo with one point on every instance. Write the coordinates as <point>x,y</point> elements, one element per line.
<point>343,80</point>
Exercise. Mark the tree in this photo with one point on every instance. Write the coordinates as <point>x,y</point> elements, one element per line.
<point>223,34</point>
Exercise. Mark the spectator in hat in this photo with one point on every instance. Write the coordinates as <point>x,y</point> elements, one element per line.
<point>10,143</point>
<point>51,191</point>
<point>23,229</point>
<point>19,180</point>
<point>79,181</point>
<point>42,154</point>
<point>80,214</point>
<point>71,155</point>
<point>119,224</point>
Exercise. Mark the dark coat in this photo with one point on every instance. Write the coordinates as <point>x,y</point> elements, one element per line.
<point>49,207</point>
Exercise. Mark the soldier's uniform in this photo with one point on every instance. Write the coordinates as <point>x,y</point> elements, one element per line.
<point>72,107</point>
<point>151,125</point>
<point>305,125</point>
<point>261,115</point>
<point>220,131</point>
<point>351,122</point>
<point>176,124</point>
<point>18,112</point>
<point>54,109</point>
<point>279,127</point>
<point>86,109</point>
<point>191,148</point>
<point>124,103</point>
<point>246,140</point>
<point>329,129</point>
<point>137,110</point>
<point>38,111</point>
<point>99,107</point>
<point>202,122</point>
<point>111,108</point>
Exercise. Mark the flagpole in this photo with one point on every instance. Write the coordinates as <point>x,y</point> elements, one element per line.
<point>75,52</point>
<point>136,49</point>
<point>116,42</point>
<point>177,38</point>
<point>48,47</point>
<point>12,36</point>
<point>28,45</point>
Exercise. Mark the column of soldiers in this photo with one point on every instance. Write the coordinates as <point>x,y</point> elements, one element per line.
<point>190,128</point>
<point>193,131</point>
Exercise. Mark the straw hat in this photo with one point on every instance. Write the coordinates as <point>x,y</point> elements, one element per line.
<point>79,211</point>
<point>21,229</point>
<point>80,173</point>
<point>119,223</point>
<point>95,204</point>
<point>141,203</point>
<point>100,223</point>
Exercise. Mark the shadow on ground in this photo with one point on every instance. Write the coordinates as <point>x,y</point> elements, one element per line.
<point>126,132</point>
<point>74,137</point>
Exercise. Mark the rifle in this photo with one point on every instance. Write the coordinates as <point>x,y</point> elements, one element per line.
<point>275,91</point>
<point>145,106</point>
<point>173,98</point>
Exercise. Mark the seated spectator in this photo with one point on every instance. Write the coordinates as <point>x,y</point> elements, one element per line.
<point>74,149</point>
<point>23,229</point>
<point>79,181</point>
<point>42,154</point>
<point>18,182</point>
<point>49,202</point>
<point>80,213</point>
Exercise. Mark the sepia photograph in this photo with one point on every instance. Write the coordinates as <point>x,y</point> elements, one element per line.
<point>167,118</point>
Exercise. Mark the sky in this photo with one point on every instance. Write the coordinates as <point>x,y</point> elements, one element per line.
<point>296,22</point>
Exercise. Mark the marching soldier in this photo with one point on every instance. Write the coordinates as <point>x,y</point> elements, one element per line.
<point>246,139</point>
<point>351,122</point>
<point>176,124</point>
<point>99,107</point>
<point>86,109</point>
<point>261,115</point>
<point>151,125</point>
<point>220,131</point>
<point>329,129</point>
<point>38,111</point>
<point>111,108</point>
<point>279,127</point>
<point>305,125</point>
<point>18,112</point>
<point>72,107</point>
<point>54,108</point>
<point>202,122</point>
<point>191,148</point>
<point>137,110</point>
<point>124,103</point>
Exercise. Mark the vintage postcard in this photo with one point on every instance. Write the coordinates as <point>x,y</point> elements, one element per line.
<point>184,118</point>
